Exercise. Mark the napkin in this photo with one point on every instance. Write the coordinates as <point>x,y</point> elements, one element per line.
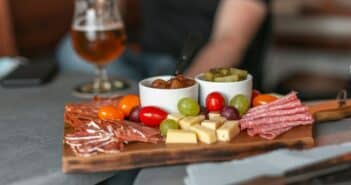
<point>271,164</point>
<point>7,65</point>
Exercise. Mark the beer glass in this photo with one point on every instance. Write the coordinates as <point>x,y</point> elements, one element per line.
<point>98,37</point>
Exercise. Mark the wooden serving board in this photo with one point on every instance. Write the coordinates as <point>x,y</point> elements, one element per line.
<point>139,155</point>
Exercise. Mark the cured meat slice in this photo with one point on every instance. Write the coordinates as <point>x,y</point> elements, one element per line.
<point>136,132</point>
<point>273,134</point>
<point>288,98</point>
<point>285,106</point>
<point>276,126</point>
<point>92,135</point>
<point>275,120</point>
<point>292,111</point>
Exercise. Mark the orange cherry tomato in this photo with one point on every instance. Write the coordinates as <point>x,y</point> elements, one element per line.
<point>128,102</point>
<point>262,99</point>
<point>110,112</point>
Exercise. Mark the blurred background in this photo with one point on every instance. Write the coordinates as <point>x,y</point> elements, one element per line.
<point>310,44</point>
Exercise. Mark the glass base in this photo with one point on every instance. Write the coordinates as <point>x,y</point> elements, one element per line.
<point>87,90</point>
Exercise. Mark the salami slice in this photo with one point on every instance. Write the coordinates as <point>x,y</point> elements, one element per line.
<point>283,112</point>
<point>273,134</point>
<point>277,119</point>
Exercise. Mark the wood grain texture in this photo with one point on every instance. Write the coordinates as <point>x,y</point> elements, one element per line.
<point>139,155</point>
<point>7,39</point>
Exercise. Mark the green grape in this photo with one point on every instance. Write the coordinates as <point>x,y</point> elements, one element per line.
<point>188,107</point>
<point>241,103</point>
<point>168,124</point>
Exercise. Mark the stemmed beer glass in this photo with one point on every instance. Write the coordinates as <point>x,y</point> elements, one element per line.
<point>98,37</point>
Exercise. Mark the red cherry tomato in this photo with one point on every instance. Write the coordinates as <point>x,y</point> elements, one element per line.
<point>254,94</point>
<point>214,102</point>
<point>263,99</point>
<point>152,116</point>
<point>110,113</point>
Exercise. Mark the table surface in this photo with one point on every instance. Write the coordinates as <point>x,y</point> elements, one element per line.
<point>31,130</point>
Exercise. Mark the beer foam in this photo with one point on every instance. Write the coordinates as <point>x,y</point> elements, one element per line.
<point>108,27</point>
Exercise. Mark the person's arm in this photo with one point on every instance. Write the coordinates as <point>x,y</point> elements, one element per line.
<point>7,39</point>
<point>236,23</point>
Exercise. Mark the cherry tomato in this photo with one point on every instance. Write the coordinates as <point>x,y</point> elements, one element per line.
<point>214,102</point>
<point>152,116</point>
<point>254,94</point>
<point>127,103</point>
<point>263,99</point>
<point>110,112</point>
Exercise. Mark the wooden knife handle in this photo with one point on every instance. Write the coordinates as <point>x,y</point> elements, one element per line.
<point>332,114</point>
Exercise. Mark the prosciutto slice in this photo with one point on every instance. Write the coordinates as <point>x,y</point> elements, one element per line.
<point>90,135</point>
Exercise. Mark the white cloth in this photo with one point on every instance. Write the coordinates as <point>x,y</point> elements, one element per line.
<point>271,164</point>
<point>7,65</point>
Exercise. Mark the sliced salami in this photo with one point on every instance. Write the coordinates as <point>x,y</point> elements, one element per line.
<point>286,106</point>
<point>277,119</point>
<point>273,134</point>
<point>292,111</point>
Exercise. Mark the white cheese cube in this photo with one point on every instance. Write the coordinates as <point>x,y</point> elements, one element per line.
<point>180,136</point>
<point>176,117</point>
<point>187,122</point>
<point>219,119</point>
<point>204,134</point>
<point>228,131</point>
<point>211,124</point>
<point>212,115</point>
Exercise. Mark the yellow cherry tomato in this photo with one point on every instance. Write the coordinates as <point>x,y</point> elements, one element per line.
<point>110,113</point>
<point>128,102</point>
<point>263,99</point>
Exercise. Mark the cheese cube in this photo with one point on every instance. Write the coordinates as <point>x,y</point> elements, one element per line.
<point>180,136</point>
<point>211,124</point>
<point>176,117</point>
<point>187,122</point>
<point>204,134</point>
<point>228,131</point>
<point>212,115</point>
<point>219,119</point>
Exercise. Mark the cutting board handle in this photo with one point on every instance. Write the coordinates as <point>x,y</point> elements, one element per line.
<point>330,111</point>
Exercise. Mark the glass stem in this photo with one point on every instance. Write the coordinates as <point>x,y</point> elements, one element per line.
<point>101,82</point>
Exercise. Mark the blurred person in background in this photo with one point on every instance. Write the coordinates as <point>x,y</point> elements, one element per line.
<point>235,31</point>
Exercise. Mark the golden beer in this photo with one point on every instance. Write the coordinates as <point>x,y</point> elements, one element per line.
<point>99,45</point>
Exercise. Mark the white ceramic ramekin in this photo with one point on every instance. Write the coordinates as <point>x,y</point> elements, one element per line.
<point>227,89</point>
<point>166,99</point>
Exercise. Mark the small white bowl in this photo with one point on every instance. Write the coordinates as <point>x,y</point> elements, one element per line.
<point>166,99</point>
<point>227,89</point>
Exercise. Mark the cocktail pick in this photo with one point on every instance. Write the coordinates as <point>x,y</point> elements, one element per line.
<point>191,44</point>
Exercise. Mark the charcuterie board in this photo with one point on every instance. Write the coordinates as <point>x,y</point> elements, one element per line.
<point>139,155</point>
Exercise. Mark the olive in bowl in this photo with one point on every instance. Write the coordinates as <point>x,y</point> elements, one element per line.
<point>226,87</point>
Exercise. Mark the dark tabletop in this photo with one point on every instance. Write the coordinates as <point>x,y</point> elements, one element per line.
<point>31,130</point>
